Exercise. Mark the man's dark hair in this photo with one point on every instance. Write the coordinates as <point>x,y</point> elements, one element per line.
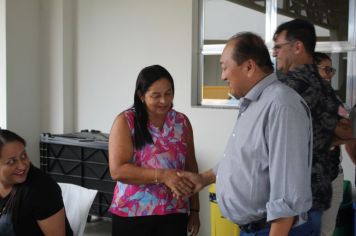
<point>251,46</point>
<point>299,30</point>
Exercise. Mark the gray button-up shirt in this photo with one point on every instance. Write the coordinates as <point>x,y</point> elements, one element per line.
<point>266,168</point>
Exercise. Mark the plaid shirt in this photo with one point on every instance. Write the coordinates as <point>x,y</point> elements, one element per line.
<point>323,105</point>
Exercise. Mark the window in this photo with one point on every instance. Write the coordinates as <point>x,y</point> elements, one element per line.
<point>218,20</point>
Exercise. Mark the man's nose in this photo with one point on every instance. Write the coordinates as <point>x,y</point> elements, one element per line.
<point>223,77</point>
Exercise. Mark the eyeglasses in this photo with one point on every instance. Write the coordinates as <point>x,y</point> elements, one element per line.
<point>277,47</point>
<point>327,69</point>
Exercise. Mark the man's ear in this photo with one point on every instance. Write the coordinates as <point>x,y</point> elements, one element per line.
<point>298,47</point>
<point>250,67</point>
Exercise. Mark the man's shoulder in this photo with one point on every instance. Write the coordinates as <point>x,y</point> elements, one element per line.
<point>281,91</point>
<point>282,95</point>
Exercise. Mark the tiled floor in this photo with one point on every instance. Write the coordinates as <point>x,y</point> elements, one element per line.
<point>100,227</point>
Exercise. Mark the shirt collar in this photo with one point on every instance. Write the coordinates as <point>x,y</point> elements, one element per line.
<point>256,91</point>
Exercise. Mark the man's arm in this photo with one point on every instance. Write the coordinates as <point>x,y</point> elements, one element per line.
<point>343,132</point>
<point>281,226</point>
<point>290,156</point>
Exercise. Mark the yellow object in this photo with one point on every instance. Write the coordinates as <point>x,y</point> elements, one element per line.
<point>216,92</point>
<point>220,226</point>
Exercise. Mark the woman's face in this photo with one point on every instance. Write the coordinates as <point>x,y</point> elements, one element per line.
<point>326,70</point>
<point>159,97</point>
<point>14,164</point>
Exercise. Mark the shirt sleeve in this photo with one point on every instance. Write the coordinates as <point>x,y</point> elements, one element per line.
<point>46,197</point>
<point>322,103</point>
<point>289,134</point>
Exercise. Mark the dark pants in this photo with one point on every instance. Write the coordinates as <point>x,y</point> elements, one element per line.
<point>305,229</point>
<point>315,220</point>
<point>172,225</point>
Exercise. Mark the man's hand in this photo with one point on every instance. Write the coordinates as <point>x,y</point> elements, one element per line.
<point>344,129</point>
<point>194,178</point>
<point>343,132</point>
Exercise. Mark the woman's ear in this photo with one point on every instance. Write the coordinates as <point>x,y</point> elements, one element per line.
<point>141,96</point>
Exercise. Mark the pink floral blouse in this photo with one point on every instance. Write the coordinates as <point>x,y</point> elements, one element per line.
<point>168,151</point>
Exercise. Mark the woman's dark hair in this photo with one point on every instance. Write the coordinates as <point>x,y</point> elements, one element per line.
<point>18,190</point>
<point>145,79</point>
<point>7,136</point>
<point>318,57</point>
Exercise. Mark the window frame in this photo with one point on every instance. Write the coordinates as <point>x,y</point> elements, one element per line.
<point>3,100</point>
<point>200,50</point>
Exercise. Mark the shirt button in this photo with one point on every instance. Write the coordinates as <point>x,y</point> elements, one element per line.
<point>233,135</point>
<point>224,155</point>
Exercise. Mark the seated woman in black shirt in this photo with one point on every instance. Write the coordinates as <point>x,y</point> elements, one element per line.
<point>30,201</point>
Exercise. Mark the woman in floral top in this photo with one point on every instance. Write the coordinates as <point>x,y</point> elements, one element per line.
<point>148,144</point>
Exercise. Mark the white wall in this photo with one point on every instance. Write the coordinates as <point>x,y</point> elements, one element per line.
<point>116,39</point>
<point>23,72</point>
<point>57,51</point>
<point>88,53</point>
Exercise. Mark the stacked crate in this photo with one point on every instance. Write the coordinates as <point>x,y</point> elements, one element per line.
<point>82,159</point>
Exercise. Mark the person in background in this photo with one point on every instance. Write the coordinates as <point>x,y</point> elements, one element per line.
<point>263,179</point>
<point>30,201</point>
<point>148,144</point>
<point>328,218</point>
<point>294,46</point>
<point>324,64</point>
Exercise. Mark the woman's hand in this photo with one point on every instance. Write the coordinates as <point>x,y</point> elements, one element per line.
<point>193,223</point>
<point>180,186</point>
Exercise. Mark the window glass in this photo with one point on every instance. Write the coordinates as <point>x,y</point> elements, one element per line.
<point>330,17</point>
<point>338,81</point>
<point>221,20</point>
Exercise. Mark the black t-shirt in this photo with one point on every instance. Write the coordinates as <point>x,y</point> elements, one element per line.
<point>41,199</point>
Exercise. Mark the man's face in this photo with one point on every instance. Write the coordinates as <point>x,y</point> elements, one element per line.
<point>283,52</point>
<point>232,72</point>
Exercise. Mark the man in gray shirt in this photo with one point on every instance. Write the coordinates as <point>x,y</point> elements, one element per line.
<point>263,179</point>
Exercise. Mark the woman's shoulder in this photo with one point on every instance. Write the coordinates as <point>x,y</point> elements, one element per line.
<point>39,179</point>
<point>128,114</point>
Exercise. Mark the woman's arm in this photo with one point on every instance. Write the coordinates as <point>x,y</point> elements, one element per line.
<point>120,161</point>
<point>192,166</point>
<point>53,225</point>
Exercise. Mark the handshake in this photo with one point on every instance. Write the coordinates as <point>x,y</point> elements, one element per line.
<point>185,184</point>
